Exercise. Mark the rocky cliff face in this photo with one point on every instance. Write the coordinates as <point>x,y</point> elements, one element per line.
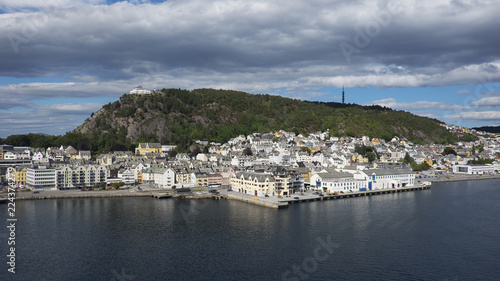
<point>137,125</point>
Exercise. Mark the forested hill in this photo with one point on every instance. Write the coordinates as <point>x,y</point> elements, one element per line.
<point>175,116</point>
<point>489,129</point>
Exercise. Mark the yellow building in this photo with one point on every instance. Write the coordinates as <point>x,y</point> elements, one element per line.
<point>20,176</point>
<point>146,147</point>
<point>359,159</point>
<point>16,176</point>
<point>306,174</point>
<point>258,184</point>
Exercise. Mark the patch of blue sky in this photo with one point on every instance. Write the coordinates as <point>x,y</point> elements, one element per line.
<point>6,80</point>
<point>52,101</point>
<point>17,109</point>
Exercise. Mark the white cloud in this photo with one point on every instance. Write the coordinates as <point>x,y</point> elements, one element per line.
<point>72,108</point>
<point>476,116</point>
<point>463,92</point>
<point>419,105</point>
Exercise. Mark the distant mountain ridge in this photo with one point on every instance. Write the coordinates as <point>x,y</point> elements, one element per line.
<point>180,117</point>
<point>489,129</point>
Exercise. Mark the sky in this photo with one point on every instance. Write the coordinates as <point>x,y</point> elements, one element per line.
<point>61,60</point>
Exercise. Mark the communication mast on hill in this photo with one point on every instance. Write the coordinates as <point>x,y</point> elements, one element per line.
<point>343,95</point>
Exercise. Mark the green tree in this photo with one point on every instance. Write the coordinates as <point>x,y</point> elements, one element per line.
<point>408,159</point>
<point>247,151</point>
<point>448,150</point>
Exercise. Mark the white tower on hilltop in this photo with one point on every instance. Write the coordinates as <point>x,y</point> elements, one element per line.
<point>139,90</point>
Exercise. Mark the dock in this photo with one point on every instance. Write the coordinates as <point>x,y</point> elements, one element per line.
<point>353,194</point>
<point>254,200</point>
<point>281,203</point>
<point>4,200</point>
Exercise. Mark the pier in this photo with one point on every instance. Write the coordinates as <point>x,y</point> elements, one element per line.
<point>264,202</point>
<point>281,203</point>
<point>305,198</point>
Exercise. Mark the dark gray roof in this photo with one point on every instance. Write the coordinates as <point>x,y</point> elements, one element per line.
<point>388,172</point>
<point>259,176</point>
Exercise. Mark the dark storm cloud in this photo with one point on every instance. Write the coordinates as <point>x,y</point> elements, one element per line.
<point>111,42</point>
<point>296,47</point>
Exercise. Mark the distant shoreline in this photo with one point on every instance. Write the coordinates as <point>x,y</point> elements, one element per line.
<point>455,177</point>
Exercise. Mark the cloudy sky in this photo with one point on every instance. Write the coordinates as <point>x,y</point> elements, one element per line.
<point>61,60</point>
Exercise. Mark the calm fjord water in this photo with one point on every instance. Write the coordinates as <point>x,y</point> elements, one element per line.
<point>451,232</point>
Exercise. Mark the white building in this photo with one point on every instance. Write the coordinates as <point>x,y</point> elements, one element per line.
<point>81,176</point>
<point>387,178</point>
<point>241,162</point>
<point>9,155</point>
<point>164,178</point>
<point>473,169</point>
<point>202,157</point>
<point>338,182</point>
<point>139,90</point>
<point>39,157</point>
<point>167,148</point>
<point>126,176</point>
<point>41,178</point>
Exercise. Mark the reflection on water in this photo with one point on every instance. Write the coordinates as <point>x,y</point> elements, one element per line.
<point>446,232</point>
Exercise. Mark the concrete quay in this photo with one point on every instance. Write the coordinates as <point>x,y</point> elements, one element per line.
<point>69,194</point>
<point>261,201</point>
<point>160,195</point>
<point>309,198</point>
<point>285,202</point>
